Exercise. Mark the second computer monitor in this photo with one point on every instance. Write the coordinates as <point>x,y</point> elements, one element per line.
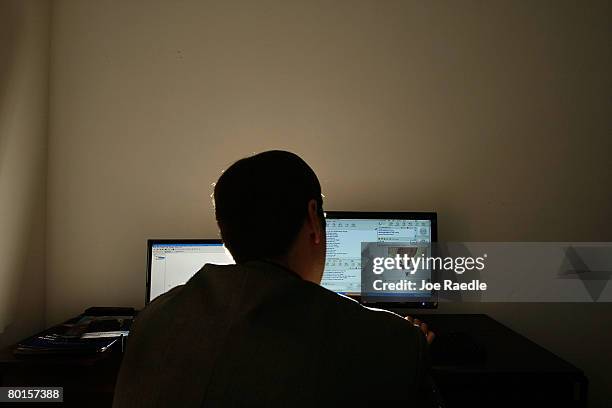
<point>346,231</point>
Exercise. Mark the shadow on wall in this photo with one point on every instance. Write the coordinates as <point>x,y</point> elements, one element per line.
<point>23,129</point>
<point>9,43</point>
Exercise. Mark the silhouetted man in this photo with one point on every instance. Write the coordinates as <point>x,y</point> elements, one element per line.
<point>263,332</point>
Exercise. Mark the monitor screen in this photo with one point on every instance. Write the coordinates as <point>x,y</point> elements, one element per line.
<point>173,263</point>
<point>346,231</point>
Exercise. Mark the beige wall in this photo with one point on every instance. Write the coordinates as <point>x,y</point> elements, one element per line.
<point>495,115</point>
<point>24,67</point>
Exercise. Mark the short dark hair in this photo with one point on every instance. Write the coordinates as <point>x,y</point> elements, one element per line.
<point>261,202</point>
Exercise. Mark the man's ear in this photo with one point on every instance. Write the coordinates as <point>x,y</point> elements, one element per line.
<point>314,223</point>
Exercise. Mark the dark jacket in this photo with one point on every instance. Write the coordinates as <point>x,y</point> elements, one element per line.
<point>257,334</point>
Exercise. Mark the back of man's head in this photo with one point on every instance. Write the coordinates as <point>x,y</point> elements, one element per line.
<point>261,203</point>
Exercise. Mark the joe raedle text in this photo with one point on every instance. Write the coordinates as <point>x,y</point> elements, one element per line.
<point>425,285</point>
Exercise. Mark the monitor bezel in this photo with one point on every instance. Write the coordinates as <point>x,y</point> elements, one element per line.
<point>395,215</point>
<point>152,242</point>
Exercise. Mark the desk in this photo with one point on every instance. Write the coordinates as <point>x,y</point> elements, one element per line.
<point>88,381</point>
<point>516,372</point>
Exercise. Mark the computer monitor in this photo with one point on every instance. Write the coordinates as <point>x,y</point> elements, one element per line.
<point>346,231</point>
<point>172,262</point>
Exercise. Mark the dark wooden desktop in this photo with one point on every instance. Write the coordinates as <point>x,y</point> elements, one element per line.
<point>515,372</point>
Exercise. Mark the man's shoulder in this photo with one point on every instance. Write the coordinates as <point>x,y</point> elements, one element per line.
<point>350,312</point>
<point>158,305</point>
<point>348,309</point>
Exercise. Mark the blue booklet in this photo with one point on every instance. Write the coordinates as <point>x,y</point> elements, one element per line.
<point>85,334</point>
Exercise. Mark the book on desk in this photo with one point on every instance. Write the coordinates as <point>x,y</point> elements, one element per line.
<point>96,330</point>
